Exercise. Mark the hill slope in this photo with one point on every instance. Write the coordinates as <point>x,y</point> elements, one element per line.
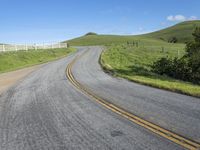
<point>103,40</point>
<point>182,31</point>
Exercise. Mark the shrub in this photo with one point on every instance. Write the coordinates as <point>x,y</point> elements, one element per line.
<point>173,40</point>
<point>162,66</point>
<point>186,68</point>
<point>90,33</point>
<point>181,69</point>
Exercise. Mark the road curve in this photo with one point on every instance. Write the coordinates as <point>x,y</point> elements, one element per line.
<point>44,111</point>
<point>175,112</point>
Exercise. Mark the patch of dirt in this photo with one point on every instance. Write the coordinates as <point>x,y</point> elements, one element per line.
<point>10,78</point>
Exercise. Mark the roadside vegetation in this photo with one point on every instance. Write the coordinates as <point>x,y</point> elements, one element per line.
<point>10,61</point>
<point>135,63</point>
<point>186,68</point>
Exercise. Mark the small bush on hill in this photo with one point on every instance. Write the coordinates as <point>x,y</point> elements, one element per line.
<point>90,33</point>
<point>163,66</point>
<point>173,40</point>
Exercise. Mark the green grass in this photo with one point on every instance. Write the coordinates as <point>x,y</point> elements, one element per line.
<point>182,31</point>
<point>111,39</point>
<point>10,61</point>
<point>134,63</point>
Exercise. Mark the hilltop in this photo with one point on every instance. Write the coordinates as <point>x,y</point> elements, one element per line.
<point>182,32</point>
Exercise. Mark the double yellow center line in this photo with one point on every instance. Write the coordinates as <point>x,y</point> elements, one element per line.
<point>184,142</point>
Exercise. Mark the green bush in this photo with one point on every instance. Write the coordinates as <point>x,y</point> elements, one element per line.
<point>186,68</point>
<point>173,40</point>
<point>182,70</point>
<point>163,66</point>
<point>90,33</point>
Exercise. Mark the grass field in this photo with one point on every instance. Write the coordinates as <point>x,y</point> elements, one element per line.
<point>112,39</point>
<point>10,61</point>
<point>134,63</point>
<point>182,31</point>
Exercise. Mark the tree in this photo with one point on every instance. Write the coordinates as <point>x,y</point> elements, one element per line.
<point>193,55</point>
<point>196,35</point>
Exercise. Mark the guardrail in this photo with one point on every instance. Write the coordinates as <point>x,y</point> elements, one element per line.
<point>15,47</point>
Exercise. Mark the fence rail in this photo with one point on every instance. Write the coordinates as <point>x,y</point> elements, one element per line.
<point>14,47</point>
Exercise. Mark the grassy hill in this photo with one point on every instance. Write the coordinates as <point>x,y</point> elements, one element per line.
<point>99,40</point>
<point>111,39</point>
<point>182,31</point>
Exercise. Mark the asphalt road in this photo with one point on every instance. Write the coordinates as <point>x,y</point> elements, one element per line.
<point>44,111</point>
<point>176,112</point>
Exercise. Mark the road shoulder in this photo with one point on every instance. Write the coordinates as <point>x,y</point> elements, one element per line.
<point>8,79</point>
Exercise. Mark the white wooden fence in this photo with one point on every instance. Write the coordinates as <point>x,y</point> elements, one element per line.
<point>14,47</point>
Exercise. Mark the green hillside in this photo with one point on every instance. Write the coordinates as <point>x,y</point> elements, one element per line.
<point>182,31</point>
<point>111,39</point>
<point>99,40</point>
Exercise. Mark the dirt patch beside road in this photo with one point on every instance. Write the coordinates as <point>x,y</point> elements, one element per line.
<point>10,78</point>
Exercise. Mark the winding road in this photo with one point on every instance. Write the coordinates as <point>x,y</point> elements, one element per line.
<point>46,111</point>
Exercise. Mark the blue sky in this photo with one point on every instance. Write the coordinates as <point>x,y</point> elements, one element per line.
<point>31,21</point>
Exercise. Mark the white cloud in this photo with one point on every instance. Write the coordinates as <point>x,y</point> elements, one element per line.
<point>178,18</point>
<point>193,18</point>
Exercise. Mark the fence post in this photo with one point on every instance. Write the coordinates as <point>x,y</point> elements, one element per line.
<point>3,47</point>
<point>35,46</point>
<point>26,47</point>
<point>178,53</point>
<point>16,48</point>
<point>51,45</point>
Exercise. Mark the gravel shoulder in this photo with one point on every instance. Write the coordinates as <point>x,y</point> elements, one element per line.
<point>8,79</point>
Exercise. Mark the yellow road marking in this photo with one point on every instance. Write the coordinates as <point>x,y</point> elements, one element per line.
<point>184,142</point>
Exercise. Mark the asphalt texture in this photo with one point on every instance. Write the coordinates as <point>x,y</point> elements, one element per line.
<point>175,112</point>
<point>44,110</point>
